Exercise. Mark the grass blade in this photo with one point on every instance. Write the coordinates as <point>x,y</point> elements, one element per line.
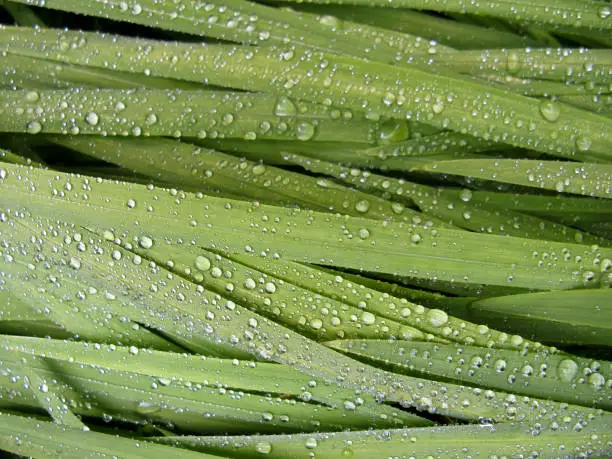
<point>143,112</point>
<point>546,441</point>
<point>563,177</point>
<point>34,438</point>
<point>540,374</point>
<point>587,14</point>
<point>406,92</point>
<point>580,316</point>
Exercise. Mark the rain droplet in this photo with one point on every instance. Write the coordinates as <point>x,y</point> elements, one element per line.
<point>367,318</point>
<point>92,118</point>
<point>259,169</point>
<point>33,127</point>
<point>202,263</point>
<point>145,242</point>
<point>437,317</point>
<point>550,111</point>
<point>362,206</point>
<point>597,380</point>
<point>466,195</point>
<point>583,143</point>
<point>32,96</point>
<point>305,131</point>
<point>567,370</point>
<point>249,284</point>
<point>311,443</point>
<point>364,233</point>
<point>285,107</point>
<point>263,447</point>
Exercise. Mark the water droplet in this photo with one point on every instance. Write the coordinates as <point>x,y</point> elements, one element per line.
<point>437,317</point>
<point>597,380</point>
<point>75,263</point>
<point>438,107</point>
<point>249,284</point>
<point>305,131</point>
<point>316,324</point>
<point>604,12</point>
<point>392,132</point>
<point>514,62</point>
<point>202,263</point>
<point>311,443</point>
<point>466,195</point>
<point>145,242</point>
<point>32,96</point>
<point>567,370</point>
<point>362,206</point>
<point>583,143</point>
<point>350,406</point>
<point>263,447</point>
<point>550,111</point>
<point>92,118</point>
<point>270,287</point>
<point>367,318</point>
<point>33,127</point>
<point>133,350</point>
<point>259,169</point>
<point>285,107</point>
<point>364,233</point>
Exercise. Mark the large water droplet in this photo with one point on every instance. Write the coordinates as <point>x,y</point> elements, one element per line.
<point>92,118</point>
<point>437,317</point>
<point>263,447</point>
<point>311,443</point>
<point>550,111</point>
<point>305,131</point>
<point>33,127</point>
<point>583,143</point>
<point>202,263</point>
<point>567,370</point>
<point>285,107</point>
<point>393,131</point>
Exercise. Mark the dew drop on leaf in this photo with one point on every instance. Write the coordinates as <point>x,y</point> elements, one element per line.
<point>567,370</point>
<point>34,127</point>
<point>550,111</point>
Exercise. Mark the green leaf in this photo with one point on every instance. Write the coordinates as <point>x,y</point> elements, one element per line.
<point>578,316</point>
<point>34,438</point>
<point>545,441</point>
<point>564,177</point>
<point>150,112</point>
<point>588,14</point>
<point>540,374</point>
<point>407,92</point>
